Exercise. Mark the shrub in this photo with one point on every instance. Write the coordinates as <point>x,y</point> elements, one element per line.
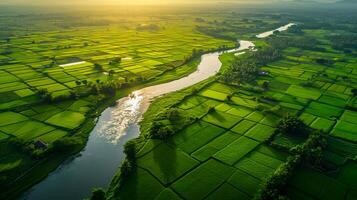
<point>115,60</point>
<point>98,194</point>
<point>126,168</point>
<point>229,97</point>
<point>160,130</point>
<point>65,144</point>
<point>45,94</point>
<point>173,114</point>
<point>274,184</point>
<point>211,109</point>
<point>312,149</point>
<point>354,91</point>
<point>130,150</point>
<point>292,125</point>
<point>98,67</point>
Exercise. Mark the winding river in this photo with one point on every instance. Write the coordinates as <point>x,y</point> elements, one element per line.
<point>97,163</point>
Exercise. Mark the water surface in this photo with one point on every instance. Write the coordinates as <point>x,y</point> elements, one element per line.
<point>97,163</point>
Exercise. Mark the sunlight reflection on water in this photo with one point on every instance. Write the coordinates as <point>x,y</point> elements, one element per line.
<point>128,111</point>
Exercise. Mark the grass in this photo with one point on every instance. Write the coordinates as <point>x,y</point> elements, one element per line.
<point>141,181</point>
<point>243,126</point>
<point>349,116</point>
<point>166,164</point>
<point>303,92</point>
<point>259,171</point>
<point>222,119</point>
<point>322,124</point>
<point>214,95</point>
<point>7,118</point>
<point>203,180</point>
<point>227,191</point>
<point>260,132</point>
<point>167,194</point>
<point>27,130</point>
<point>67,119</point>
<point>200,138</point>
<point>52,136</point>
<point>223,154</point>
<point>214,146</point>
<point>236,150</point>
<point>244,182</point>
<point>317,184</point>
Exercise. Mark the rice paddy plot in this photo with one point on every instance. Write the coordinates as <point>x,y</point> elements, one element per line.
<point>236,150</point>
<point>203,180</point>
<point>67,119</point>
<point>208,150</point>
<point>222,119</point>
<point>301,92</point>
<point>166,164</point>
<point>260,132</point>
<point>214,95</point>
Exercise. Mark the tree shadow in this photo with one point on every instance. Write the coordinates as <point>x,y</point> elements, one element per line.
<point>166,158</point>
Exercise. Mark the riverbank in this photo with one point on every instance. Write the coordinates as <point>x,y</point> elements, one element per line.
<point>147,95</point>
<point>164,160</point>
<point>50,165</point>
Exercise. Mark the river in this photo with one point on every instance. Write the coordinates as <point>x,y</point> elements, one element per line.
<point>97,163</point>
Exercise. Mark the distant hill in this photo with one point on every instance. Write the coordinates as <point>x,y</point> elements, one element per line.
<point>348,1</point>
<point>314,1</point>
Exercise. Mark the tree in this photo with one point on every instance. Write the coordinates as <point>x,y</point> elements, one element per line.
<point>126,168</point>
<point>354,91</point>
<point>115,60</point>
<point>78,83</point>
<point>44,94</point>
<point>98,194</point>
<point>111,72</point>
<point>130,150</point>
<point>265,85</point>
<point>160,130</point>
<point>292,125</point>
<point>85,82</point>
<point>65,144</point>
<point>241,71</point>
<point>173,114</point>
<point>98,67</point>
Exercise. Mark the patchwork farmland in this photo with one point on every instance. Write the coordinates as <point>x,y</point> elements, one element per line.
<point>278,121</point>
<point>233,145</point>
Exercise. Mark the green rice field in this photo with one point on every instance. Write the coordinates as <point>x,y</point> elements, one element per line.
<point>229,152</point>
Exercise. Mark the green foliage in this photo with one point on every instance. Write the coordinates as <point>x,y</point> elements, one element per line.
<point>98,67</point>
<point>168,122</point>
<point>312,149</point>
<point>274,185</point>
<point>130,150</point>
<point>310,152</point>
<point>354,91</point>
<point>247,70</point>
<point>344,41</point>
<point>266,55</point>
<point>126,168</point>
<point>115,61</point>
<point>292,125</point>
<point>301,42</point>
<point>65,144</point>
<point>44,94</point>
<point>98,194</point>
<point>173,114</point>
<point>241,71</point>
<point>160,130</point>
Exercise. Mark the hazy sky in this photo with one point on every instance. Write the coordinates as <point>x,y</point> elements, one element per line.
<point>105,2</point>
